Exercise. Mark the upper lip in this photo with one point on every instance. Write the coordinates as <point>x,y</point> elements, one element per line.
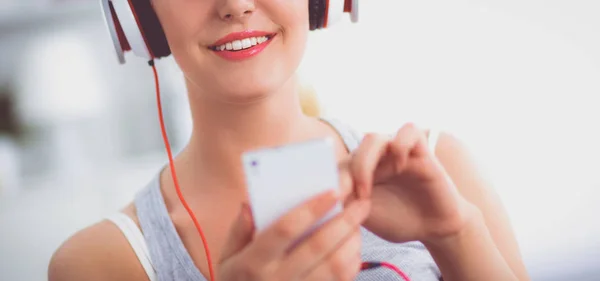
<point>241,35</point>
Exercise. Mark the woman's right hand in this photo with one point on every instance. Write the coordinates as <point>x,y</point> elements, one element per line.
<point>330,253</point>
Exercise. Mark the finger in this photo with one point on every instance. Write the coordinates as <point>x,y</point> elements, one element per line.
<point>241,233</point>
<point>326,240</point>
<point>365,160</point>
<point>341,265</point>
<point>276,239</point>
<point>348,192</point>
<point>409,141</point>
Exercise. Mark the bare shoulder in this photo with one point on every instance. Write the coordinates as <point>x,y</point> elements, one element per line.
<point>459,162</point>
<point>97,253</point>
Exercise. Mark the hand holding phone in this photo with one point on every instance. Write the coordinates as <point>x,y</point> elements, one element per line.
<point>332,252</point>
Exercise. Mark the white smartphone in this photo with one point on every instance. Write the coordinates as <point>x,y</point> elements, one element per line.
<point>281,178</point>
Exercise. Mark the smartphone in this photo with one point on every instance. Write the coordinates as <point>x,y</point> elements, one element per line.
<point>281,178</point>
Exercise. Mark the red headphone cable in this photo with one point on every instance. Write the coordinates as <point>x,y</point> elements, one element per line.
<point>364,266</point>
<point>373,265</point>
<point>174,175</point>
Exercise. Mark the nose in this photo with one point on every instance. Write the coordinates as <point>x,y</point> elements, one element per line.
<point>236,10</point>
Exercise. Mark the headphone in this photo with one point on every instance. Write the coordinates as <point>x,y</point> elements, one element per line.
<point>134,26</point>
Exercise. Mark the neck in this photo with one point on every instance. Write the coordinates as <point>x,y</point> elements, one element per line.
<point>222,132</point>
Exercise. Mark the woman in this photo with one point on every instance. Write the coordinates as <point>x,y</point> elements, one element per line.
<point>414,199</point>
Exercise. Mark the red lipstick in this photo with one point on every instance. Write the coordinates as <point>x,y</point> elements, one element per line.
<point>242,45</point>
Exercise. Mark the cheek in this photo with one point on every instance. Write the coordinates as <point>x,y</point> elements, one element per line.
<point>180,21</point>
<point>288,14</point>
<point>292,17</point>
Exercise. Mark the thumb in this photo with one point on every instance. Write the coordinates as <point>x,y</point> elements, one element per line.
<point>241,233</point>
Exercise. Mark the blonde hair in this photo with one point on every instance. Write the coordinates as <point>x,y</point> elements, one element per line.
<point>309,101</point>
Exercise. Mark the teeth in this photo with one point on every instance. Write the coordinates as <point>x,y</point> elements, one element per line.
<point>246,43</point>
<point>237,45</point>
<point>242,44</point>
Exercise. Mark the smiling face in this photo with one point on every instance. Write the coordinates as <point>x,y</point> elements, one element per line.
<point>236,50</point>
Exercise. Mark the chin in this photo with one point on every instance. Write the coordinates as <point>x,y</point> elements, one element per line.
<point>247,91</point>
<point>248,85</point>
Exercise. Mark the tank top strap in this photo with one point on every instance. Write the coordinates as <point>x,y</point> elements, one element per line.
<point>136,240</point>
<point>349,135</point>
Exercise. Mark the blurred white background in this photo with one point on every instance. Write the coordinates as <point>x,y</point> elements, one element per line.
<point>517,80</point>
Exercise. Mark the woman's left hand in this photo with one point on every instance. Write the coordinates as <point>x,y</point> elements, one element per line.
<point>413,198</point>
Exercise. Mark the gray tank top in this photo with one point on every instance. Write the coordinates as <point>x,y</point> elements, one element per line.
<point>172,262</point>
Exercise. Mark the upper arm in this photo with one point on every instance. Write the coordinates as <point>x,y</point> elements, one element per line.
<point>98,253</point>
<point>463,171</point>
